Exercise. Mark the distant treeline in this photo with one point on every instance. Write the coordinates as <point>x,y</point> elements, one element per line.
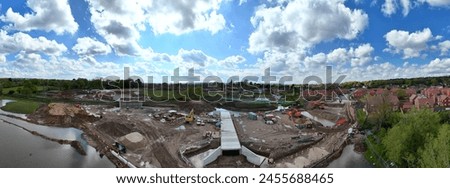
<point>82,83</point>
<point>402,82</point>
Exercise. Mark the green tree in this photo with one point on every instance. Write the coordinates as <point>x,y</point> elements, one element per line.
<point>360,116</point>
<point>445,117</point>
<point>409,135</point>
<point>194,92</point>
<point>436,153</point>
<point>26,91</point>
<point>28,88</point>
<point>380,111</point>
<point>434,82</point>
<point>95,84</point>
<point>66,85</point>
<point>401,94</point>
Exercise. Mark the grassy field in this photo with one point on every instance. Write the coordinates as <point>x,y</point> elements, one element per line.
<point>21,107</point>
<point>162,94</point>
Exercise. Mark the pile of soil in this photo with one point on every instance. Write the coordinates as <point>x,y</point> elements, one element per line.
<point>61,115</point>
<point>115,129</point>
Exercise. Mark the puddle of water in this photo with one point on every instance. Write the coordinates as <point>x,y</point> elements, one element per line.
<point>324,122</point>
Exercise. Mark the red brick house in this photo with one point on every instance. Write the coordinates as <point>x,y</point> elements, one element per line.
<point>444,101</point>
<point>431,92</point>
<point>410,91</point>
<point>407,106</point>
<point>373,102</point>
<point>359,93</point>
<point>445,91</point>
<point>394,101</point>
<point>422,103</point>
<point>412,98</point>
<point>378,91</point>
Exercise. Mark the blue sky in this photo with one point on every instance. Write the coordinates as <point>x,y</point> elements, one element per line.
<point>362,39</point>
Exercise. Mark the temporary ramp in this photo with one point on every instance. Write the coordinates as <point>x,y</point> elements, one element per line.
<point>229,139</point>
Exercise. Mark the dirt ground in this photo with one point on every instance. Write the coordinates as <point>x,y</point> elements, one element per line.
<point>165,133</point>
<point>326,146</point>
<point>273,141</point>
<point>104,125</point>
<point>163,138</point>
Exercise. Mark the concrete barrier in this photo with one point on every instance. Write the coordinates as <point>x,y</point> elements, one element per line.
<point>212,156</point>
<point>254,158</point>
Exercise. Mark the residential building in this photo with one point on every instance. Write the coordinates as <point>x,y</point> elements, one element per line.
<point>423,102</point>
<point>410,91</point>
<point>407,106</point>
<point>444,100</point>
<point>359,93</point>
<point>412,98</point>
<point>373,102</point>
<point>431,92</point>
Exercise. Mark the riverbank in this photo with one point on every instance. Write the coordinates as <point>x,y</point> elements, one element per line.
<point>26,124</point>
<point>36,146</point>
<point>75,144</point>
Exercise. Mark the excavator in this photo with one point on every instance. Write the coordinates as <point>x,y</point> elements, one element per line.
<point>294,113</point>
<point>190,117</point>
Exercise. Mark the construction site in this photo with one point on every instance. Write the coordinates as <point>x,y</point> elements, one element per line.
<point>200,134</point>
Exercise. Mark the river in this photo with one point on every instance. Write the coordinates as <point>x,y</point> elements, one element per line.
<point>20,148</point>
<point>350,159</point>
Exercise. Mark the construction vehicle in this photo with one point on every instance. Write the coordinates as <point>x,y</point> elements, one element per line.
<point>119,148</point>
<point>294,113</point>
<point>190,117</point>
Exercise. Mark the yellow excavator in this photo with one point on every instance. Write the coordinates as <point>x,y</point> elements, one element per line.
<point>190,117</point>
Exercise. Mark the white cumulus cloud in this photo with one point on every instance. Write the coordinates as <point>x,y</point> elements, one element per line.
<point>184,16</point>
<point>47,15</point>
<point>23,42</point>
<point>409,44</point>
<point>300,24</point>
<point>390,7</point>
<point>232,61</point>
<point>439,66</point>
<point>444,47</point>
<point>120,23</point>
<point>2,58</point>
<point>437,3</point>
<point>87,46</point>
<point>242,2</point>
<point>362,55</point>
